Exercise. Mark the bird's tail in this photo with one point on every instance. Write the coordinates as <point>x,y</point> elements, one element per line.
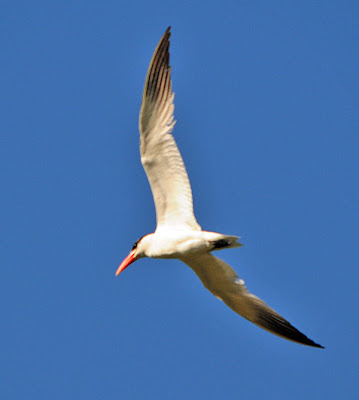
<point>225,241</point>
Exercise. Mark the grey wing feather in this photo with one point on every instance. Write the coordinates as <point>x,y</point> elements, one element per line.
<point>221,279</point>
<point>160,156</point>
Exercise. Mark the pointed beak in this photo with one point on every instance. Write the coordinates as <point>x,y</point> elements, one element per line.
<point>126,262</point>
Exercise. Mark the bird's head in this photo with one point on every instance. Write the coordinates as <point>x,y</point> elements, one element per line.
<point>138,251</point>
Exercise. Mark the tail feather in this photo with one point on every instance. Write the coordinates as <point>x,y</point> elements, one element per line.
<point>226,241</point>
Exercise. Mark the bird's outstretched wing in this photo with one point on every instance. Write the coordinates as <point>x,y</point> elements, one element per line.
<point>160,156</point>
<point>221,279</point>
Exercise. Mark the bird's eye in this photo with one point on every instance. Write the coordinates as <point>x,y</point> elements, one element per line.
<point>135,245</point>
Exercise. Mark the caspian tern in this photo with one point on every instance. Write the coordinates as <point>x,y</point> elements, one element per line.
<point>178,234</point>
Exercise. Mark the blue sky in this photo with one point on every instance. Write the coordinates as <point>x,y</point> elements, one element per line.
<point>267,109</point>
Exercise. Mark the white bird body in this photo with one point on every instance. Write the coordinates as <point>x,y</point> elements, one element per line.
<point>178,234</point>
<point>169,243</point>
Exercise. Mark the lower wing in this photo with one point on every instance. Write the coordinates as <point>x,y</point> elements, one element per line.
<point>221,279</point>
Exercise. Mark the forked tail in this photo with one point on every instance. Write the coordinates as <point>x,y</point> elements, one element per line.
<point>225,241</point>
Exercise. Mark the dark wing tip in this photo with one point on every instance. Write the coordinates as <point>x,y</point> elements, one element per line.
<point>158,82</point>
<point>275,323</point>
<point>166,36</point>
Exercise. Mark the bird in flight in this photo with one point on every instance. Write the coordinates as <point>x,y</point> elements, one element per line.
<point>178,234</point>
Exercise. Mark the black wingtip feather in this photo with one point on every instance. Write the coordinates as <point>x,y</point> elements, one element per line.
<point>281,327</point>
<point>160,69</point>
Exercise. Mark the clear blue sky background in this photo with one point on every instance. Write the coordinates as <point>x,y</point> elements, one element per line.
<point>267,108</point>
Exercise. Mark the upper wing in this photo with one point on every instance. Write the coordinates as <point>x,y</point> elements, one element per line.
<point>220,279</point>
<point>160,156</point>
